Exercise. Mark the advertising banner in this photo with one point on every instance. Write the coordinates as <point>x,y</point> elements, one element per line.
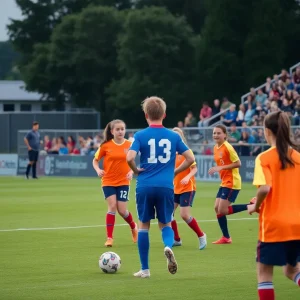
<point>8,164</point>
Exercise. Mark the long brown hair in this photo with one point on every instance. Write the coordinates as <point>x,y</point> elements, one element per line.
<point>107,131</point>
<point>279,124</point>
<point>181,133</point>
<point>223,128</point>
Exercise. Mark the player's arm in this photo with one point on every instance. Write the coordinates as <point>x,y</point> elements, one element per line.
<point>193,171</point>
<point>132,153</point>
<point>27,142</point>
<point>98,155</point>
<point>189,160</point>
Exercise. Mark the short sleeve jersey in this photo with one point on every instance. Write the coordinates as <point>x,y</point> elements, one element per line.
<point>157,147</point>
<point>279,217</point>
<point>114,163</point>
<point>182,188</point>
<point>226,155</point>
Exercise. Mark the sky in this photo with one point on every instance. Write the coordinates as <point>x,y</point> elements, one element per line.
<point>8,9</point>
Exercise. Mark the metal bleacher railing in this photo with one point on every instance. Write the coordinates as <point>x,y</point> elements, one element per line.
<point>292,68</point>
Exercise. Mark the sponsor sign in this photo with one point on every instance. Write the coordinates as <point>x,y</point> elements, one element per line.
<point>8,164</point>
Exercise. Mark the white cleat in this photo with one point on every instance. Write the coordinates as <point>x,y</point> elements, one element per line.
<point>142,274</point>
<point>172,264</point>
<point>177,243</point>
<point>202,242</point>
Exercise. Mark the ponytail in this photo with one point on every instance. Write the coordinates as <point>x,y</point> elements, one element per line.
<point>181,133</point>
<point>279,124</point>
<point>108,136</point>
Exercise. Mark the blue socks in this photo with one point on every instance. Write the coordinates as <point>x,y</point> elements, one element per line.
<point>237,208</point>
<point>168,236</point>
<point>143,246</point>
<point>223,225</point>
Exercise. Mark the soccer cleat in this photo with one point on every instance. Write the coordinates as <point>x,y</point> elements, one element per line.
<point>142,274</point>
<point>172,264</point>
<point>223,240</point>
<point>134,233</point>
<point>253,200</point>
<point>202,242</point>
<point>109,243</point>
<point>177,243</point>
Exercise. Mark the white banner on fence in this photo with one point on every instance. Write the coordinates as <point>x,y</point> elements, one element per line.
<point>8,164</point>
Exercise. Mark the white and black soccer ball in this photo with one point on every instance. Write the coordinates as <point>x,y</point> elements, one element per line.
<point>109,262</point>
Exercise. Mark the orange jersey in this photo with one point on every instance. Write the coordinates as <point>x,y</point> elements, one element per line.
<point>114,163</point>
<point>226,155</point>
<point>181,188</point>
<point>279,216</point>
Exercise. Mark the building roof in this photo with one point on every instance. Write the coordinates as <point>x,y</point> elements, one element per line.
<point>15,91</point>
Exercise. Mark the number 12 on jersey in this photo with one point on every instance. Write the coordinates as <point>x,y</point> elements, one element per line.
<point>163,143</point>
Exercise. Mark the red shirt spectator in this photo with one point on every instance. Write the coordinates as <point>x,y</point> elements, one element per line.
<point>296,77</point>
<point>205,114</point>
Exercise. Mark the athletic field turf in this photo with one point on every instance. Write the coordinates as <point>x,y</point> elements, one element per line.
<point>52,234</point>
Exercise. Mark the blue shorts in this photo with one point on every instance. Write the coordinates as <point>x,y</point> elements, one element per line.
<point>121,192</point>
<point>154,200</point>
<point>225,193</point>
<point>185,199</point>
<point>278,254</point>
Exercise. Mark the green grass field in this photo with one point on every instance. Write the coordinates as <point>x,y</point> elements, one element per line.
<point>56,257</point>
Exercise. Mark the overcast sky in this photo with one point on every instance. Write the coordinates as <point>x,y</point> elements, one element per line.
<point>8,9</point>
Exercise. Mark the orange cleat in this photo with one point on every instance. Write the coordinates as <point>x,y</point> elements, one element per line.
<point>134,233</point>
<point>253,200</point>
<point>109,242</point>
<point>223,240</point>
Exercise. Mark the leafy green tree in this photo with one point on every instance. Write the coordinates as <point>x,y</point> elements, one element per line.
<point>8,59</point>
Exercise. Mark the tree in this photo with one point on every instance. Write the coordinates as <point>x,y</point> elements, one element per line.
<point>8,58</point>
<point>155,57</point>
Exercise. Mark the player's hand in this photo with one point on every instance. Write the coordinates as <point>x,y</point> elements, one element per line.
<point>185,180</point>
<point>252,209</point>
<point>129,175</point>
<point>100,173</point>
<point>29,148</point>
<point>139,170</point>
<point>214,170</point>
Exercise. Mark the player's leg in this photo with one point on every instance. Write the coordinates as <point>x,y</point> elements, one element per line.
<point>292,268</point>
<point>265,282</point>
<point>30,163</point>
<point>177,240</point>
<point>186,202</point>
<point>122,199</point>
<point>145,210</point>
<point>111,199</point>
<point>35,159</point>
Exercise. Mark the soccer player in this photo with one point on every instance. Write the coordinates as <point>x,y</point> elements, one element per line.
<point>228,164</point>
<point>116,176</point>
<point>155,190</point>
<point>277,175</point>
<point>32,141</point>
<point>184,193</point>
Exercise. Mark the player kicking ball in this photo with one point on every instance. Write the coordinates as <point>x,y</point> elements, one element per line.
<point>155,190</point>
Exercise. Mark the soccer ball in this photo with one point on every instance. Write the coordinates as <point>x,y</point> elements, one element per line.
<point>109,262</point>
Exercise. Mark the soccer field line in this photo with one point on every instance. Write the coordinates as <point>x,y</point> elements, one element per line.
<point>103,225</point>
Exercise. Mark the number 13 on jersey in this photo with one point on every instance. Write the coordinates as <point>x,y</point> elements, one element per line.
<point>165,144</point>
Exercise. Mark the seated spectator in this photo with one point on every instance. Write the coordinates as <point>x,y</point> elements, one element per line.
<point>268,85</point>
<point>234,134</point>
<point>252,94</point>
<point>205,114</point>
<point>250,101</point>
<point>289,84</point>
<point>90,146</point>
<point>230,115</point>
<point>190,120</point>
<point>225,104</point>
<point>258,110</point>
<point>249,114</point>
<point>98,140</point>
<point>296,79</point>
<point>284,75</point>
<point>245,142</point>
<point>71,143</point>
<point>275,78</point>
<point>274,106</point>
<point>206,149</point>
<point>47,143</point>
<point>259,139</point>
<point>274,93</point>
<point>54,146</point>
<point>130,137</point>
<point>297,113</point>
<point>246,128</point>
<point>72,150</point>
<point>281,87</point>
<point>180,124</point>
<point>215,110</point>
<point>241,115</point>
<point>286,107</point>
<point>62,146</point>
<point>268,107</point>
<point>260,97</point>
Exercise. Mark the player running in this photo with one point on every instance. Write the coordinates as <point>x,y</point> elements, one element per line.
<point>116,176</point>
<point>185,189</point>
<point>277,175</point>
<point>228,164</point>
<point>154,191</point>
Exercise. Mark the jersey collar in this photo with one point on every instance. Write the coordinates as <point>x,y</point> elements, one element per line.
<point>156,126</point>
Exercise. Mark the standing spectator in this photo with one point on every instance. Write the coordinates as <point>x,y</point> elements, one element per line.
<point>249,114</point>
<point>190,120</point>
<point>32,141</point>
<point>205,114</point>
<point>215,110</point>
<point>241,115</point>
<point>47,143</point>
<point>234,135</point>
<point>260,97</point>
<point>225,104</point>
<point>230,115</point>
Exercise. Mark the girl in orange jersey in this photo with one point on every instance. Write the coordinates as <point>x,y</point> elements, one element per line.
<point>228,164</point>
<point>116,176</point>
<point>184,193</point>
<point>277,175</point>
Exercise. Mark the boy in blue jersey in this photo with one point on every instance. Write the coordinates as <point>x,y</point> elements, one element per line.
<point>155,191</point>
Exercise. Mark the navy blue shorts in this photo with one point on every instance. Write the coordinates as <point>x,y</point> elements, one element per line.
<point>278,254</point>
<point>225,193</point>
<point>33,155</point>
<point>154,200</point>
<point>121,192</point>
<point>185,199</point>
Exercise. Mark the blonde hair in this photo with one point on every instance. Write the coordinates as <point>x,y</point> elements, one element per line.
<point>181,133</point>
<point>154,107</point>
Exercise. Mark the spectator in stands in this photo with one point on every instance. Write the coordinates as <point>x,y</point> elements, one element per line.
<point>205,149</point>
<point>260,97</point>
<point>180,124</point>
<point>234,134</point>
<point>274,93</point>
<point>268,106</point>
<point>245,127</point>
<point>190,120</point>
<point>47,143</point>
<point>241,115</point>
<point>259,139</point>
<point>205,114</point>
<point>97,141</point>
<point>71,142</point>
<point>215,110</point>
<point>275,78</point>
<point>296,79</point>
<point>62,146</point>
<point>252,94</point>
<point>245,142</point>
<point>225,104</point>
<point>289,84</point>
<point>249,114</point>
<point>284,75</point>
<point>286,107</point>
<point>90,146</point>
<point>281,87</point>
<point>54,149</point>
<point>130,136</point>
<point>297,113</point>
<point>230,115</point>
<point>268,85</point>
<point>274,106</point>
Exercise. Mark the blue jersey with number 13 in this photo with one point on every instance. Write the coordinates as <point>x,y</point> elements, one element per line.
<point>157,146</point>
